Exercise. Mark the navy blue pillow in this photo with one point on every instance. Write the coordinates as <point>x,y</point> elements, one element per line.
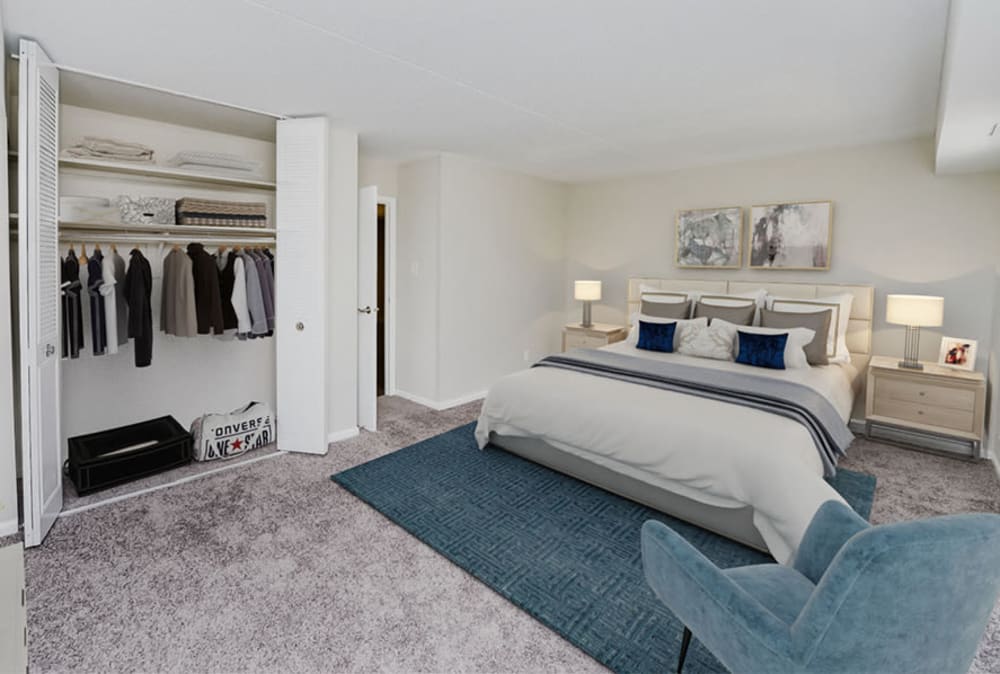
<point>656,336</point>
<point>762,350</point>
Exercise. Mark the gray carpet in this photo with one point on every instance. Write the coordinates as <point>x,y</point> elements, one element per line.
<point>272,567</point>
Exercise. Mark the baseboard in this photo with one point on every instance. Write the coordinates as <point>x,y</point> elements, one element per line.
<point>345,434</point>
<point>443,405</point>
<point>8,527</point>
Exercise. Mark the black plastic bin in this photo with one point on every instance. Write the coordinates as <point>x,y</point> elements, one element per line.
<point>108,458</point>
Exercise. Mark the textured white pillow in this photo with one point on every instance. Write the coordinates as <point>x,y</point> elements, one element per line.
<point>798,339</point>
<point>683,326</point>
<point>653,294</point>
<point>711,341</point>
<point>840,305</point>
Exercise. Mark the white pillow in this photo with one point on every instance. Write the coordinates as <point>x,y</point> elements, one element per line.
<point>711,341</point>
<point>683,326</point>
<point>798,339</point>
<point>840,305</point>
<point>734,299</point>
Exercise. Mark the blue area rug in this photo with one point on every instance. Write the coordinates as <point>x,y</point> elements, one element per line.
<point>564,551</point>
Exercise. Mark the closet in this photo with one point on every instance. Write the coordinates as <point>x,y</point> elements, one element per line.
<point>58,106</point>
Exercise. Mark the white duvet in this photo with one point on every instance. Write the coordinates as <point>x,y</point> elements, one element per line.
<point>709,451</point>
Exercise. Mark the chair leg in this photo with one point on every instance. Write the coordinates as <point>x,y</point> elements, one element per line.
<point>685,642</point>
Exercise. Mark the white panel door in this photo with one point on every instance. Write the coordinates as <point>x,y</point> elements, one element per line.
<point>39,269</point>
<point>301,284</point>
<point>368,308</point>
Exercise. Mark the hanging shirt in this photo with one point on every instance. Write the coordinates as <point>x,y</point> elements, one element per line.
<point>255,299</point>
<point>178,314</point>
<point>121,304</point>
<point>239,298</point>
<point>266,289</point>
<point>138,289</point>
<point>207,295</point>
<point>110,304</point>
<point>72,309</point>
<point>98,324</point>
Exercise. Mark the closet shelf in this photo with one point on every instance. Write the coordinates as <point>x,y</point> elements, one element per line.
<point>182,230</point>
<point>164,172</point>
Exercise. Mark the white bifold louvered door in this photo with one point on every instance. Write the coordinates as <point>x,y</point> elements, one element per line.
<point>39,265</point>
<point>301,284</point>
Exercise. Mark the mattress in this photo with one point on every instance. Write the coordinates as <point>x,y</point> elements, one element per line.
<point>708,451</point>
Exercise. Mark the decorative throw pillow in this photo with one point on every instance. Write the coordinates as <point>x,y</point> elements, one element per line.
<point>762,350</point>
<point>665,309</point>
<point>682,327</point>
<point>817,321</point>
<point>656,336</point>
<point>795,356</point>
<point>711,341</point>
<point>737,315</point>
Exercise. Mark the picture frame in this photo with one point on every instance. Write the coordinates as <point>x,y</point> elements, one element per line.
<point>958,353</point>
<point>791,236</point>
<point>709,238</point>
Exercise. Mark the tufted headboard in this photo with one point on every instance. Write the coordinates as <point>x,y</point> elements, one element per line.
<point>859,328</point>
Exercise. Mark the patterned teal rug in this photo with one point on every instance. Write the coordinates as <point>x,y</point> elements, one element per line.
<point>560,549</point>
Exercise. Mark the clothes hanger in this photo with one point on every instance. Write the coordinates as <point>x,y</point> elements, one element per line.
<point>83,253</point>
<point>114,248</point>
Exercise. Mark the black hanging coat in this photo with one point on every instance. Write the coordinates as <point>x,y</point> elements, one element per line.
<point>138,289</point>
<point>207,295</point>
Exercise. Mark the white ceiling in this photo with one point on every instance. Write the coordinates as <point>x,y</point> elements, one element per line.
<point>568,90</point>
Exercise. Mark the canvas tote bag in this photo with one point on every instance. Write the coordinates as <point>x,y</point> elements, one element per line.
<point>224,436</point>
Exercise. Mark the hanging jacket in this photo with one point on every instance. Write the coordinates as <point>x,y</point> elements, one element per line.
<point>227,279</point>
<point>138,289</point>
<point>207,295</point>
<point>72,309</point>
<point>178,313</point>
<point>98,325</point>
<point>266,289</point>
<point>121,304</point>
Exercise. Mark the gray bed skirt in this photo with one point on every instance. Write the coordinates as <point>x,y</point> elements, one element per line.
<point>734,523</point>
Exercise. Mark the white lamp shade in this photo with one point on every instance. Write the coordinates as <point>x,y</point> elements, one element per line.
<point>922,311</point>
<point>587,290</point>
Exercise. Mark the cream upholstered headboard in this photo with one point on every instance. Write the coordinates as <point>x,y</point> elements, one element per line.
<point>859,328</point>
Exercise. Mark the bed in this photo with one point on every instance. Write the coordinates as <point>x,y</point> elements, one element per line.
<point>747,474</point>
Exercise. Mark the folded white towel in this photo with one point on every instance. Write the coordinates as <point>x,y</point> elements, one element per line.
<point>214,160</point>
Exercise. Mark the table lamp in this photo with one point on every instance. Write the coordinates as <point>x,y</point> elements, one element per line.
<point>915,312</point>
<point>587,291</point>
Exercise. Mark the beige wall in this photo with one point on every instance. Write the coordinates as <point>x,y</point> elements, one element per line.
<point>380,172</point>
<point>896,225</point>
<point>480,274</point>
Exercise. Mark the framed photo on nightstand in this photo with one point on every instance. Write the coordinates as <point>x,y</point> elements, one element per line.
<point>958,353</point>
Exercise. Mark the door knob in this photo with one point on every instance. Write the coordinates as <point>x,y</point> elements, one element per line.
<point>366,310</point>
<point>300,326</point>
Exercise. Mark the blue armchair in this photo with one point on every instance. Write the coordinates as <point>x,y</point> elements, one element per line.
<point>906,597</point>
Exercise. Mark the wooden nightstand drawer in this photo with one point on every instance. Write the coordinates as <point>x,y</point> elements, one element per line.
<point>938,395</point>
<point>927,415</point>
<point>581,341</point>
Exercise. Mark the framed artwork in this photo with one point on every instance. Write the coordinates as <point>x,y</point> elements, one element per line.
<point>710,238</point>
<point>958,353</point>
<point>795,235</point>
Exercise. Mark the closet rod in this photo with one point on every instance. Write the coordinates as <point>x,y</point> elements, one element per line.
<point>247,242</point>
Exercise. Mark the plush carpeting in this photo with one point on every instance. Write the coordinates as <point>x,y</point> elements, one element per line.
<point>269,567</point>
<point>564,551</point>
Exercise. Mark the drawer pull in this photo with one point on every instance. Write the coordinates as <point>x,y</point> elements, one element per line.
<point>923,393</point>
<point>920,412</point>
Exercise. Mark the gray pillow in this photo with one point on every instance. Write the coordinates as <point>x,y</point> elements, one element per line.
<point>818,321</point>
<point>665,309</point>
<point>734,315</point>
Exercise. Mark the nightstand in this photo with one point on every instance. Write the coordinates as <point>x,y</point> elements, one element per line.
<point>937,400</point>
<point>575,336</point>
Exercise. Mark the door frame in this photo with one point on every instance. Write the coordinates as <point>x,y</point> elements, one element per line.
<point>389,354</point>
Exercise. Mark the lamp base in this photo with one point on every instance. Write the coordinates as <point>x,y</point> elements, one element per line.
<point>911,365</point>
<point>586,322</point>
